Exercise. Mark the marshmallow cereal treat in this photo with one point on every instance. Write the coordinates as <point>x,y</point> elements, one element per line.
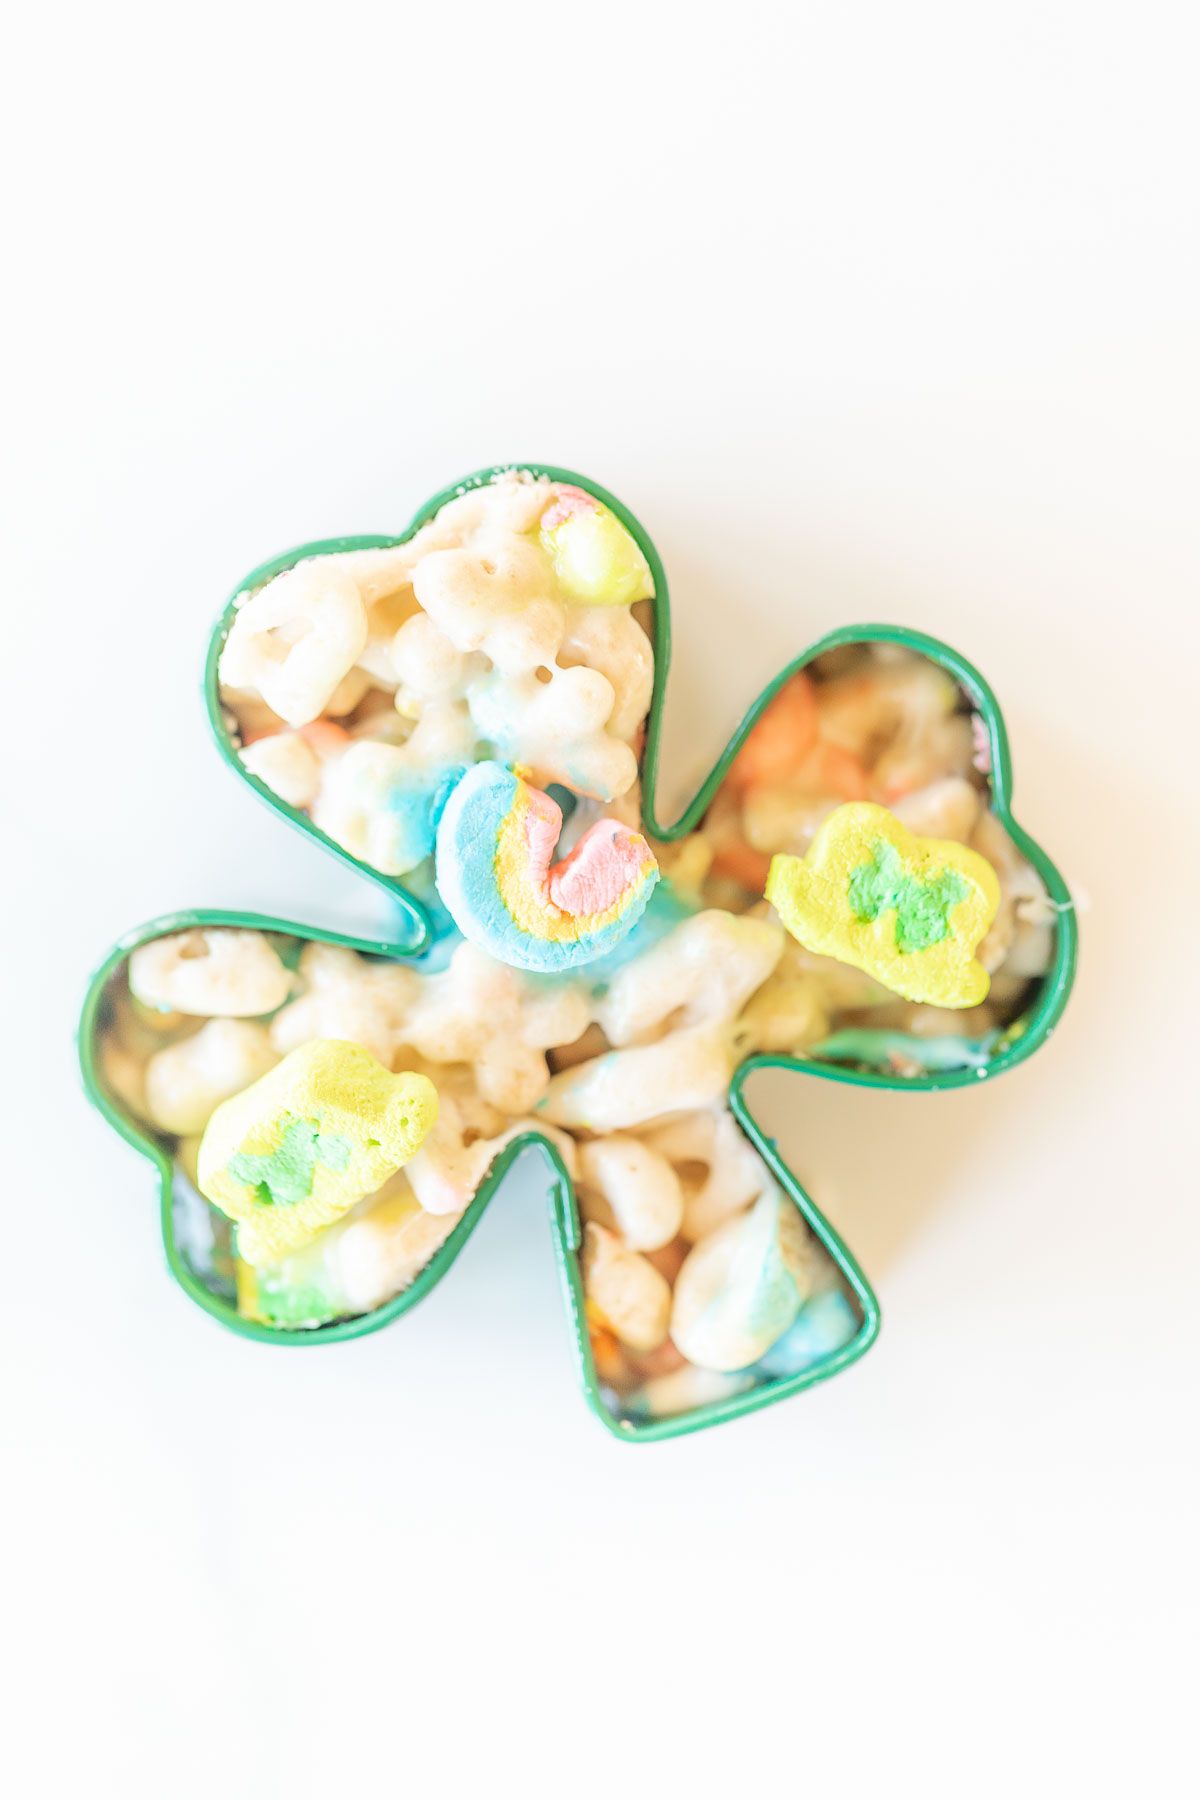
<point>361,686</point>
<point>469,714</point>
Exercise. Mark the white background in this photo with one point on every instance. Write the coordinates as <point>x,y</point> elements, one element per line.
<point>868,312</point>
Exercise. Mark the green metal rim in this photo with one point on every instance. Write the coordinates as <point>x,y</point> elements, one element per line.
<point>415,935</point>
<point>564,1211</point>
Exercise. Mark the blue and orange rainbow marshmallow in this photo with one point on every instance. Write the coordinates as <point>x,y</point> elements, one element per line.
<point>495,842</point>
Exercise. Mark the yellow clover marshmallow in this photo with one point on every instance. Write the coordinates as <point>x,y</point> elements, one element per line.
<point>307,1141</point>
<point>908,911</point>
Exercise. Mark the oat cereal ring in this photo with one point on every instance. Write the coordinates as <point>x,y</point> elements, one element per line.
<point>296,639</point>
<point>210,972</point>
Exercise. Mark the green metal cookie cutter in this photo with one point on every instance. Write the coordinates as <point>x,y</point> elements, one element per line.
<point>414,932</point>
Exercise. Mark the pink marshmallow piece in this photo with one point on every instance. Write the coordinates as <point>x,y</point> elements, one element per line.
<point>570,500</point>
<point>606,863</point>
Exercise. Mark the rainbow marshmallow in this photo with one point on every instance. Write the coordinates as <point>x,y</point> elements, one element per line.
<point>495,842</point>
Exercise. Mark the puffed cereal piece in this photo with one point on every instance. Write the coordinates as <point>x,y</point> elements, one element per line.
<point>640,1187</point>
<point>457,1080</point>
<point>784,818</point>
<point>555,723</point>
<point>287,765</point>
<point>210,971</point>
<point>382,801</point>
<point>494,596</point>
<point>381,574</point>
<point>742,1287</point>
<point>383,1251</point>
<point>385,619</point>
<point>447,1171</point>
<point>346,996</point>
<point>291,762</point>
<point>735,1174</point>
<point>428,667</point>
<point>609,639</point>
<point>839,987</point>
<point>124,1076</point>
<point>185,1083</point>
<point>785,1015</point>
<point>498,1019</point>
<point>306,1142</point>
<point>947,748</point>
<point>627,1088</point>
<point>624,1292</point>
<point>296,638</point>
<point>887,704</point>
<point>351,1267</point>
<point>512,501</point>
<point>947,808</point>
<point>684,1390</point>
<point>1031,951</point>
<point>703,971</point>
<point>1023,902</point>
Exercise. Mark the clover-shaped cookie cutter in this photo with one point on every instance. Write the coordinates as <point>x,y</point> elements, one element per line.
<point>1018,1042</point>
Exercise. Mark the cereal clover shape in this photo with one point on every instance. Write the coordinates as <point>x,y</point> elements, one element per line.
<point>839,1058</point>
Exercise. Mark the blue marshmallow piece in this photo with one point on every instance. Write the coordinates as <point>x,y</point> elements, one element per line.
<point>826,1324</point>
